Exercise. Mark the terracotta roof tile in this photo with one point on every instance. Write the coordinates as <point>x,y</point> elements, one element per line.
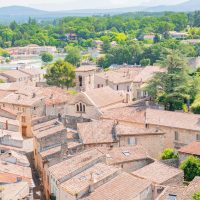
<point>96,132</point>
<point>122,187</point>
<point>193,148</point>
<point>157,172</point>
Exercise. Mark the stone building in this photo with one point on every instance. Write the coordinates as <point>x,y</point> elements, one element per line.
<point>160,174</point>
<point>118,79</point>
<point>123,187</point>
<point>180,128</point>
<point>85,77</point>
<point>31,49</point>
<point>92,103</point>
<point>192,149</point>
<point>181,192</point>
<point>129,159</point>
<point>141,80</point>
<point>59,173</point>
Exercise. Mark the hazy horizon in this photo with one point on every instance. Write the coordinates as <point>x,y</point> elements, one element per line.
<point>51,5</point>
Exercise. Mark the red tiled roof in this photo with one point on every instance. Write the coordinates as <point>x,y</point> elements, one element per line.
<point>193,148</point>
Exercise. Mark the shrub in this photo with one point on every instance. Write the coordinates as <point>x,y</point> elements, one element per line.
<point>196,196</point>
<point>191,168</point>
<point>168,154</point>
<point>195,108</point>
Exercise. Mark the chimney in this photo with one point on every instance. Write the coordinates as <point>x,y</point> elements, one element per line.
<point>92,180</point>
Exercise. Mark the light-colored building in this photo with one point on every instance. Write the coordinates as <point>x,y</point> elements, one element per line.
<point>31,49</point>
<point>36,75</point>
<point>97,134</point>
<point>152,139</point>
<point>87,181</point>
<point>16,76</point>
<point>16,191</point>
<point>160,174</point>
<point>178,35</point>
<point>92,103</point>
<point>85,77</point>
<point>118,79</point>
<point>65,170</point>
<point>123,187</point>
<point>128,158</point>
<point>150,36</point>
<point>141,80</point>
<point>15,158</point>
<point>181,192</point>
<point>180,128</point>
<point>192,149</point>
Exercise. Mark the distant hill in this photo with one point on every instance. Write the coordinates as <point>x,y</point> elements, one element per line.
<point>187,6</point>
<point>21,14</point>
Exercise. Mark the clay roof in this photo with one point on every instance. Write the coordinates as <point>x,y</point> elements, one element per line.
<point>21,99</point>
<point>103,97</point>
<point>82,181</point>
<point>122,187</point>
<point>32,71</point>
<point>147,73</point>
<point>96,132</point>
<point>123,130</point>
<point>176,191</point>
<point>181,192</point>
<point>128,114</point>
<point>193,148</point>
<point>12,87</point>
<point>121,75</point>
<point>118,155</point>
<point>51,95</point>
<point>51,151</point>
<point>64,168</point>
<point>86,68</point>
<point>46,125</point>
<point>14,73</point>
<point>193,187</point>
<point>157,172</point>
<point>9,173</point>
<point>5,120</point>
<point>21,158</point>
<point>15,191</point>
<point>173,119</point>
<point>12,134</point>
<point>55,129</point>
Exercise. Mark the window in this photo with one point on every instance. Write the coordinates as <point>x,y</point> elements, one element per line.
<point>80,78</point>
<point>77,108</point>
<point>132,141</point>
<point>172,197</point>
<point>198,137</point>
<point>117,87</point>
<point>80,107</point>
<point>176,136</point>
<point>84,108</point>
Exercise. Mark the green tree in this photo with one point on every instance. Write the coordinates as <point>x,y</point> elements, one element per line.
<point>47,57</point>
<point>61,74</point>
<point>73,55</point>
<point>171,87</point>
<point>196,196</point>
<point>191,168</point>
<point>168,154</point>
<point>106,45</point>
<point>145,62</point>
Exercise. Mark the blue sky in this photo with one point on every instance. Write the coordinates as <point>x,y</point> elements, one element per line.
<point>85,4</point>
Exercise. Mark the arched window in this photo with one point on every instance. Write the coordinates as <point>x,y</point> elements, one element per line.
<point>77,108</point>
<point>81,109</point>
<point>84,108</point>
